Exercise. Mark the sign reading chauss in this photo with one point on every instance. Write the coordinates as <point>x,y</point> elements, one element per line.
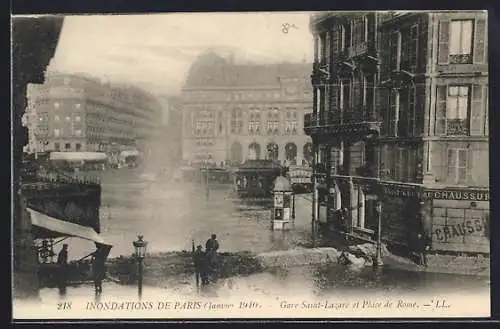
<point>436,194</point>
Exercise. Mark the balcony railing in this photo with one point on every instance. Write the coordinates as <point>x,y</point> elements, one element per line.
<point>358,49</point>
<point>457,127</point>
<point>362,118</point>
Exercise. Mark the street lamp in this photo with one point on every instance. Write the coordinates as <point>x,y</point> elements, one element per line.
<point>140,252</point>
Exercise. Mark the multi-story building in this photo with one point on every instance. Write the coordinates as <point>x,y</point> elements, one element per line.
<point>233,112</point>
<point>172,129</point>
<point>81,113</point>
<point>400,125</point>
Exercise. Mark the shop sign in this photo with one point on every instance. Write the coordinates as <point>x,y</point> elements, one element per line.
<point>468,227</point>
<point>441,194</point>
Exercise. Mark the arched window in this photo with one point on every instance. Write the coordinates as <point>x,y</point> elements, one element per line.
<point>254,151</point>
<point>272,151</point>
<point>236,153</point>
<point>291,153</point>
<point>308,153</point>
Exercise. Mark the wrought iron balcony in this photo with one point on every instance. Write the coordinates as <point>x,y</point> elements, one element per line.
<point>348,122</point>
<point>457,127</point>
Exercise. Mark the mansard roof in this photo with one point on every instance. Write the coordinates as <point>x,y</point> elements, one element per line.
<point>211,70</point>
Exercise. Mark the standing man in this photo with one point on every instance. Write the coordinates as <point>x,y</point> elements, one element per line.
<point>200,266</point>
<point>423,246</point>
<point>98,270</point>
<point>211,247</point>
<point>62,270</point>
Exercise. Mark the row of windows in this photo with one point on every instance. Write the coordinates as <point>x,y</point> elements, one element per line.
<point>342,36</point>
<point>461,41</point>
<point>67,146</point>
<point>272,127</point>
<point>460,109</point>
<point>401,164</point>
<point>58,132</point>
<point>247,96</point>
<point>57,118</point>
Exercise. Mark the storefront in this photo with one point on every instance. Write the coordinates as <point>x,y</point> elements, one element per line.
<point>455,219</point>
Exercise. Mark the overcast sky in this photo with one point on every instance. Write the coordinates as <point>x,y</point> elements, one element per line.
<point>156,50</point>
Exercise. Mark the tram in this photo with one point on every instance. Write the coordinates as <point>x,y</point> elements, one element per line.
<point>255,178</point>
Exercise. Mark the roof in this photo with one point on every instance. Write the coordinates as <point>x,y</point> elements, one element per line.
<point>282,184</point>
<point>213,70</point>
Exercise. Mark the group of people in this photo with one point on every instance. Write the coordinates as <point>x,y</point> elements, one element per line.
<point>98,269</point>
<point>205,262</point>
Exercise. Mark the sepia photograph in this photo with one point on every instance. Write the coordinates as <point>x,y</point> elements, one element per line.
<point>257,165</point>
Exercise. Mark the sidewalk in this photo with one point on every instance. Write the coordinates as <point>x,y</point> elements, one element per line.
<point>463,265</point>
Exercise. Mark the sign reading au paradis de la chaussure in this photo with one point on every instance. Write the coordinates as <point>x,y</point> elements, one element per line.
<point>436,194</point>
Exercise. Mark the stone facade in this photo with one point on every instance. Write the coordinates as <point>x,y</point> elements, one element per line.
<point>418,83</point>
<point>232,112</point>
<point>81,113</point>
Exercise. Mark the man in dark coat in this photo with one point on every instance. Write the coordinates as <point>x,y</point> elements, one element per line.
<point>98,269</point>
<point>211,247</point>
<point>423,246</point>
<point>62,271</point>
<point>212,244</point>
<point>200,266</point>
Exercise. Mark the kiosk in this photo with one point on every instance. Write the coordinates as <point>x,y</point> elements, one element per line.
<point>282,206</point>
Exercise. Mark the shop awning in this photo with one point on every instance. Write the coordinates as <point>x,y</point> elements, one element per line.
<point>78,156</point>
<point>49,227</point>
<point>129,153</point>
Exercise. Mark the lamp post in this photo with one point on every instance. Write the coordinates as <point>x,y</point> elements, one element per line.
<point>140,252</point>
<point>378,259</point>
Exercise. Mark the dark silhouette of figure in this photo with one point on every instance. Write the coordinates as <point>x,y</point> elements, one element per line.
<point>200,266</point>
<point>423,245</point>
<point>62,270</point>
<point>211,247</point>
<point>98,269</point>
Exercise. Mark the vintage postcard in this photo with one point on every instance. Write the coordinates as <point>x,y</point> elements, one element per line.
<point>251,165</point>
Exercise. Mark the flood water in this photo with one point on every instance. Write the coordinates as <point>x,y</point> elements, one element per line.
<point>170,215</point>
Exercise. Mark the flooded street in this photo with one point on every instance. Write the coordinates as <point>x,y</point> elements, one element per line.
<point>171,214</point>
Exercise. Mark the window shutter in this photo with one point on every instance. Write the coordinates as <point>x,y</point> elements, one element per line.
<point>327,51</point>
<point>335,40</point>
<point>382,101</point>
<point>444,36</point>
<point>451,174</point>
<point>414,48</point>
<point>334,98</point>
<point>411,110</point>
<point>486,112</point>
<point>480,42</point>
<point>440,123</point>
<point>393,113</point>
<point>477,111</point>
<point>370,30</point>
<point>394,52</point>
<point>385,53</point>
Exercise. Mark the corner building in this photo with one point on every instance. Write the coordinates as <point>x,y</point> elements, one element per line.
<point>80,113</point>
<point>400,126</point>
<point>234,112</point>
